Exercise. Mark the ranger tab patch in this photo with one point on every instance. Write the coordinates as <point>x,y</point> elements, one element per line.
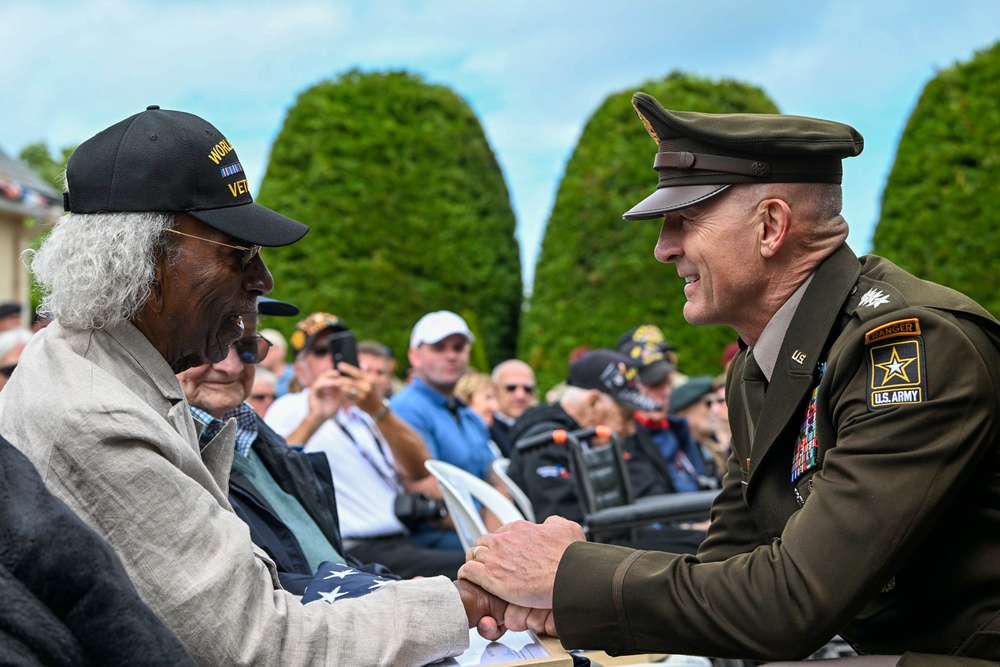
<point>896,368</point>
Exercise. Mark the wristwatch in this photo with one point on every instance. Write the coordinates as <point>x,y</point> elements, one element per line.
<point>384,411</point>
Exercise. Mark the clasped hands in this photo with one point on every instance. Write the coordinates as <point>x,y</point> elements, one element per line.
<point>517,564</point>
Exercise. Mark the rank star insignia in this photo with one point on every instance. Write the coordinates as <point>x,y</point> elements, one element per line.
<point>874,298</point>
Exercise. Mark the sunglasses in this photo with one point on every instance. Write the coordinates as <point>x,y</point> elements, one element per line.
<point>7,371</point>
<point>248,254</point>
<point>511,388</point>
<point>263,397</point>
<point>252,349</point>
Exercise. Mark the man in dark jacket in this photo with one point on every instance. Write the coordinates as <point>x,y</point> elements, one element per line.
<point>286,497</point>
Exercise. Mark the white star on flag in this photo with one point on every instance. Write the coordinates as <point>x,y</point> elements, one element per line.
<point>341,574</point>
<point>332,595</point>
<point>379,583</point>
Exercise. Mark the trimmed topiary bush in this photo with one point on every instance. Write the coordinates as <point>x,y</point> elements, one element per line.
<point>940,215</point>
<point>408,210</point>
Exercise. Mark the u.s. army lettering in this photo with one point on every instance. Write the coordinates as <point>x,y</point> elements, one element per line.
<point>901,397</point>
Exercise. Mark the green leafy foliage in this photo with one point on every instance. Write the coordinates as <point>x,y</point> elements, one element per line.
<point>596,276</point>
<point>42,162</point>
<point>408,210</point>
<point>940,214</point>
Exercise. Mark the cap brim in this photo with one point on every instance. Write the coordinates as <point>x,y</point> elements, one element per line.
<point>254,224</point>
<point>267,306</point>
<point>634,400</point>
<point>670,199</point>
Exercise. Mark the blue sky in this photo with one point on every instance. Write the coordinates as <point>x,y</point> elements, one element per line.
<point>533,71</point>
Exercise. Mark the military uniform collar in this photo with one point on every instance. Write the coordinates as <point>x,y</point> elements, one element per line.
<point>769,344</point>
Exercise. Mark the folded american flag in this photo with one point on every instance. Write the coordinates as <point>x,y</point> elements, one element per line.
<point>336,581</point>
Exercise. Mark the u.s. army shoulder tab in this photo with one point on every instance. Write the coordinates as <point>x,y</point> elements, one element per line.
<point>896,365</point>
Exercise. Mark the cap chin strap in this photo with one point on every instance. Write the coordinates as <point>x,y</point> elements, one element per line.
<point>703,161</point>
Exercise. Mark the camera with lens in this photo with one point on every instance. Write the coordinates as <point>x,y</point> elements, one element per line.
<point>413,509</point>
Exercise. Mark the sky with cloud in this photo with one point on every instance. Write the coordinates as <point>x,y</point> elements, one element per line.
<point>533,71</point>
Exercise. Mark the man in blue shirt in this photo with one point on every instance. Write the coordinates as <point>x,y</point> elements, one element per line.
<point>439,354</point>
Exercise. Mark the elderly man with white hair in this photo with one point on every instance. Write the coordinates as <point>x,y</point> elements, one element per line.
<point>152,273</point>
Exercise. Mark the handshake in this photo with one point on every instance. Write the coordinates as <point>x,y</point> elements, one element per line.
<point>508,578</point>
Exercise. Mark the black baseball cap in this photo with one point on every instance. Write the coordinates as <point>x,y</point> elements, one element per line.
<point>646,347</point>
<point>612,373</point>
<point>701,154</point>
<point>172,162</point>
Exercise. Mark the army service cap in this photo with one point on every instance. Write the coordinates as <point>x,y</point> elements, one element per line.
<point>702,154</point>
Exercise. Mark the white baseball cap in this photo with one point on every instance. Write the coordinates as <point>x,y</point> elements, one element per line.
<point>436,326</point>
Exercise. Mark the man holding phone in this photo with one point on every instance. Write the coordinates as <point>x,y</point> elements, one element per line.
<point>374,455</point>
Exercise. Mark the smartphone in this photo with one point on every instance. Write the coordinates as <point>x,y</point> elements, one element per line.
<point>343,347</point>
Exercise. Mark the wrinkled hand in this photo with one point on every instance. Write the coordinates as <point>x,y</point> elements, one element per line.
<point>485,611</point>
<point>519,561</point>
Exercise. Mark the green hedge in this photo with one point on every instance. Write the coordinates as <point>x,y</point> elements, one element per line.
<point>596,276</point>
<point>940,214</point>
<point>408,210</point>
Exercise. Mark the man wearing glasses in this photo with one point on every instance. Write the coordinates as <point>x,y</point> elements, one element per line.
<point>285,497</point>
<point>516,392</point>
<point>152,272</point>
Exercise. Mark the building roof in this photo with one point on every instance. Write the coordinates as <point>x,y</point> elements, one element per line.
<point>24,192</point>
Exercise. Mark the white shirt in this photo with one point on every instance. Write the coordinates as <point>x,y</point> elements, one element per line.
<point>364,472</point>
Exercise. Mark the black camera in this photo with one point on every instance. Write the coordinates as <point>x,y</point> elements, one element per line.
<point>343,347</point>
<point>413,509</point>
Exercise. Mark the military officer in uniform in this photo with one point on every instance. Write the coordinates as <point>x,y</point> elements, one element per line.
<point>862,495</point>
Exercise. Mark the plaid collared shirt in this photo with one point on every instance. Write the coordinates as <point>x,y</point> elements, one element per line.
<point>246,425</point>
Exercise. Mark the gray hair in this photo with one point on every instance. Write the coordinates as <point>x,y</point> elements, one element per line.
<point>96,269</point>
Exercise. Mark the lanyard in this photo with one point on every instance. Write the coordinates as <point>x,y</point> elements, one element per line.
<point>391,481</point>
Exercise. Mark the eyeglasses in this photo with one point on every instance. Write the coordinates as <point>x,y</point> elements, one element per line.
<point>248,255</point>
<point>252,349</point>
<point>263,397</point>
<point>7,371</point>
<point>511,388</point>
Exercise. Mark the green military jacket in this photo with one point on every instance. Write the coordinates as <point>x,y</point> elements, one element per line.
<point>866,503</point>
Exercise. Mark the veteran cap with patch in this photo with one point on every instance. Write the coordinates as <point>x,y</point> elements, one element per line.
<point>611,373</point>
<point>309,329</point>
<point>702,154</point>
<point>172,162</point>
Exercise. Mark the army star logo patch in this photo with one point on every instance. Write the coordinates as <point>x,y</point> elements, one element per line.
<point>896,373</point>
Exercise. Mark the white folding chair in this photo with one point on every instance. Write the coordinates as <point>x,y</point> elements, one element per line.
<point>499,467</point>
<point>461,491</point>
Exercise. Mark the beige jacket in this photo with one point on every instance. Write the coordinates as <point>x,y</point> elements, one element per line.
<point>103,418</point>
